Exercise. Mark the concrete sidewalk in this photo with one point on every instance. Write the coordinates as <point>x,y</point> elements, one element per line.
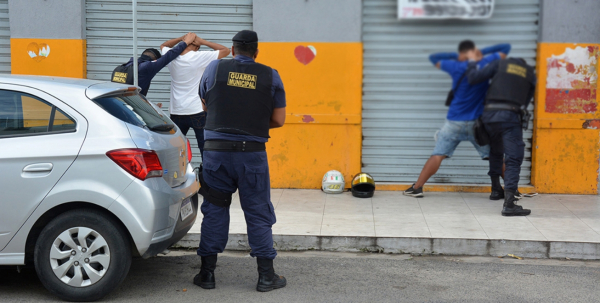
<point>560,226</point>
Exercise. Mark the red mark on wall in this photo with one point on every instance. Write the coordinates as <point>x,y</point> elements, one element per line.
<point>572,81</point>
<point>305,54</point>
<point>571,101</point>
<point>591,124</point>
<point>307,119</point>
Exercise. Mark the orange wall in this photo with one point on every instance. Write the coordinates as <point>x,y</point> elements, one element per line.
<point>66,57</point>
<point>566,146</point>
<point>323,123</point>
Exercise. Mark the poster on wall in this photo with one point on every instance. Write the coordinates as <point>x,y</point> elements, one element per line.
<point>445,9</point>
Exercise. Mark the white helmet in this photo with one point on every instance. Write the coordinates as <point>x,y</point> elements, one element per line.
<point>333,182</point>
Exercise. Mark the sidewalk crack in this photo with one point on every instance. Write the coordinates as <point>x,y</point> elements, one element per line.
<point>425,219</point>
<point>474,216</point>
<point>555,198</point>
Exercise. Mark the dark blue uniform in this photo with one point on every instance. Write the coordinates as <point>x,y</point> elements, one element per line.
<point>505,130</point>
<point>247,172</point>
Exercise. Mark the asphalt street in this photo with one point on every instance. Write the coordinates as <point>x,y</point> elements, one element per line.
<point>341,277</point>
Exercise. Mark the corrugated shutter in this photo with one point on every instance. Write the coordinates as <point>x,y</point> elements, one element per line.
<point>4,38</point>
<point>403,94</point>
<point>109,34</point>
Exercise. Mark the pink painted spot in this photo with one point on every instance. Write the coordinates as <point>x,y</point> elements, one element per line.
<point>570,67</point>
<point>305,54</point>
<point>307,119</point>
<point>591,49</point>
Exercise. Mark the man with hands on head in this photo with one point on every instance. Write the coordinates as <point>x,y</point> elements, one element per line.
<point>151,61</point>
<point>465,107</point>
<point>186,70</point>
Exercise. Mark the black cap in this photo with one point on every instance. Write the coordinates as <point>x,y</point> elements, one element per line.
<point>246,37</point>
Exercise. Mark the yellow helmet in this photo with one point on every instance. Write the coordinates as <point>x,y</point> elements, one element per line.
<point>363,186</point>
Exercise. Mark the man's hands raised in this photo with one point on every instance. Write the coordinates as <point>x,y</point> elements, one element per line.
<point>189,38</point>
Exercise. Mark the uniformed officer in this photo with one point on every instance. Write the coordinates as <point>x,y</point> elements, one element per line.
<point>504,117</point>
<point>151,61</point>
<point>243,100</point>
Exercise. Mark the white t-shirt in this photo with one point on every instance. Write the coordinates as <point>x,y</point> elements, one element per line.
<point>186,72</point>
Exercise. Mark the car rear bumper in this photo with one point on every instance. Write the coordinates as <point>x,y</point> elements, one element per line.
<point>151,211</point>
<point>180,230</point>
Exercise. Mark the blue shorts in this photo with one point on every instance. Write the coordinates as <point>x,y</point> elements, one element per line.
<point>452,133</point>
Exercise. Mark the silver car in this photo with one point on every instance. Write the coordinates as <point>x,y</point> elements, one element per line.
<point>92,174</point>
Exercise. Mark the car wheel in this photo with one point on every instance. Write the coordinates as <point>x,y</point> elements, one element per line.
<point>82,255</point>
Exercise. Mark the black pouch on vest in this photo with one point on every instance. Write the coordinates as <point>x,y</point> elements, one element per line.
<point>123,74</point>
<point>451,92</point>
<point>481,136</point>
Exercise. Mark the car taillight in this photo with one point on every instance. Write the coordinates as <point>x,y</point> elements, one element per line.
<point>140,163</point>
<point>189,150</point>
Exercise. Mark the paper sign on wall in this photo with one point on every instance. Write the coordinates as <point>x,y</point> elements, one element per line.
<point>445,9</point>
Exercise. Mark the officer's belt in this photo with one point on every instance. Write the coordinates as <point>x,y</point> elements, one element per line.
<point>502,106</point>
<point>212,195</point>
<point>234,146</point>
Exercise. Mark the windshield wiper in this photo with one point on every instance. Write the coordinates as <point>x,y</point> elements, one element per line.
<point>162,127</point>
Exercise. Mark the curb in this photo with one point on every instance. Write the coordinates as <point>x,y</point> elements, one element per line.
<point>429,246</point>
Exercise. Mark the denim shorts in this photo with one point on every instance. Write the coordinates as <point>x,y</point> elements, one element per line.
<point>452,133</point>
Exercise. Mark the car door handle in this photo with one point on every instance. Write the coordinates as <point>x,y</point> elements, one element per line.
<point>38,168</point>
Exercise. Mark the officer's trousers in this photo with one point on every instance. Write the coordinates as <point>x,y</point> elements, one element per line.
<point>247,172</point>
<point>506,146</point>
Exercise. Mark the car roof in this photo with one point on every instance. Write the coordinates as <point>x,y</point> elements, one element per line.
<point>59,85</point>
<point>34,81</point>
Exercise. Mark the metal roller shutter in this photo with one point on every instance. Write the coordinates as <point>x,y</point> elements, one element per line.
<point>109,34</point>
<point>403,94</point>
<point>4,38</point>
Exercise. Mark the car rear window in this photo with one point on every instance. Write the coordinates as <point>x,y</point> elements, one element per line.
<point>134,109</point>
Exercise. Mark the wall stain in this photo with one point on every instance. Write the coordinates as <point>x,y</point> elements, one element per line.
<point>279,158</point>
<point>591,124</point>
<point>307,119</point>
<point>337,105</point>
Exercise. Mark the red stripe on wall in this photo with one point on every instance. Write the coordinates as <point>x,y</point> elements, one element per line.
<point>570,101</point>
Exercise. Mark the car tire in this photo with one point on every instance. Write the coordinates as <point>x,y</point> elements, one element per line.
<point>85,272</point>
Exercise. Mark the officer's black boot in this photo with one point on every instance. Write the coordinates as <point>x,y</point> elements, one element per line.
<point>206,277</point>
<point>267,278</point>
<point>497,191</point>
<point>510,208</point>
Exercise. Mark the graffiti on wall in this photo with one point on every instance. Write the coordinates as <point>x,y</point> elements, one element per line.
<point>572,81</point>
<point>38,52</point>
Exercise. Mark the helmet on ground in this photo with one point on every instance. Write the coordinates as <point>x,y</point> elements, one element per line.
<point>363,186</point>
<point>333,182</point>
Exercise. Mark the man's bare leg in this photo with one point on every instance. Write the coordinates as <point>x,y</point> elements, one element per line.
<point>431,167</point>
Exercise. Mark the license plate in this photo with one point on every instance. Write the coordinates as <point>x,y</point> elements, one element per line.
<point>186,209</point>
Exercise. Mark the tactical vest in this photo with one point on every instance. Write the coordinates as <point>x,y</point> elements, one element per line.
<point>240,101</point>
<point>512,83</point>
<point>123,74</point>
